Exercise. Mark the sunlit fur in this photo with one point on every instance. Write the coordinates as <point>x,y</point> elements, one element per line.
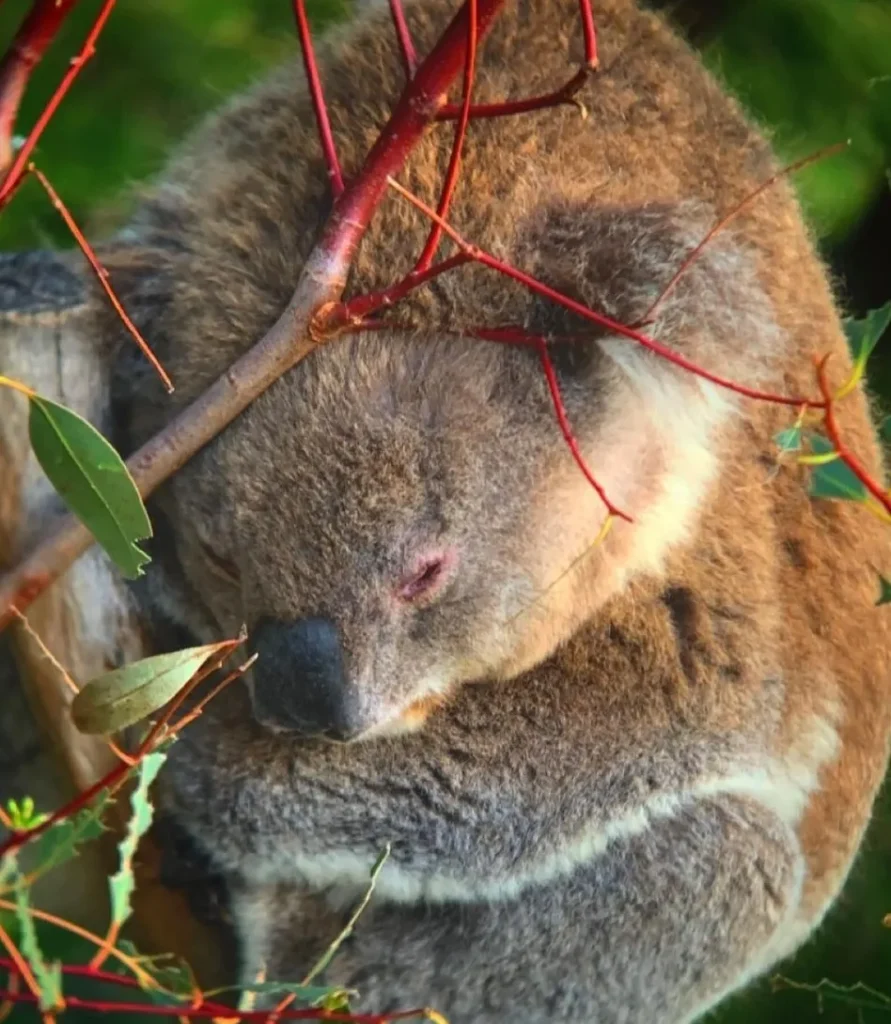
<point>636,774</point>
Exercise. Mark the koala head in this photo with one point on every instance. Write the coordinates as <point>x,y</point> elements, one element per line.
<point>399,514</point>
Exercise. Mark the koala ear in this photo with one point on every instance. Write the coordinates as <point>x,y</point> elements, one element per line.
<point>618,260</point>
<point>650,431</point>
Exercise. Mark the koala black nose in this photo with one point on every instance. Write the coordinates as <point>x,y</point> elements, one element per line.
<point>300,681</point>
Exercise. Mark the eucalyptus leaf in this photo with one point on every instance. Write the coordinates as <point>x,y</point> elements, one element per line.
<point>126,695</point>
<point>47,975</point>
<point>60,842</point>
<point>92,480</point>
<point>863,335</point>
<point>789,440</point>
<point>122,884</point>
<point>833,480</point>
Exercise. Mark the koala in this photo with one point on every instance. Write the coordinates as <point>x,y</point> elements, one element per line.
<point>618,777</point>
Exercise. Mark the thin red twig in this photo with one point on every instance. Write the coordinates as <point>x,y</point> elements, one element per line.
<point>486,259</point>
<point>110,781</point>
<point>845,453</point>
<point>83,971</point>
<point>732,214</point>
<point>101,275</point>
<point>30,43</point>
<point>209,1011</point>
<point>515,336</point>
<point>317,96</point>
<point>354,312</point>
<point>406,46</point>
<point>589,34</point>
<point>113,779</point>
<point>566,93</point>
<point>18,166</point>
<point>289,339</point>
<point>451,177</point>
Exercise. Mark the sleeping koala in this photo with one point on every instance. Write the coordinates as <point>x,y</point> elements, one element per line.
<point>617,779</point>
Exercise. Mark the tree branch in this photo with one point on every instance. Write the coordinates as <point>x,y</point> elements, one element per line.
<point>290,339</point>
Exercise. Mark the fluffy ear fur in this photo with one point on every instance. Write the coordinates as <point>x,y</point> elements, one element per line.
<point>649,429</point>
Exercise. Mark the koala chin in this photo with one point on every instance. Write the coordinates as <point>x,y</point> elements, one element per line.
<point>618,779</point>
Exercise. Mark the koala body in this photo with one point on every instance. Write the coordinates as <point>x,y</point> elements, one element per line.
<point>617,780</point>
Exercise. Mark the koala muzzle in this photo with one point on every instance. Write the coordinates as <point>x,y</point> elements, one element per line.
<point>299,682</point>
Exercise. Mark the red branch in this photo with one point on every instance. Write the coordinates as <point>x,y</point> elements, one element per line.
<point>451,177</point>
<point>318,98</point>
<point>289,339</point>
<point>208,1011</point>
<point>589,33</point>
<point>101,275</point>
<point>732,214</point>
<point>565,94</point>
<point>352,314</point>
<point>539,288</point>
<point>110,781</point>
<point>406,46</point>
<point>515,336</point>
<point>845,453</point>
<point>18,167</point>
<point>24,53</point>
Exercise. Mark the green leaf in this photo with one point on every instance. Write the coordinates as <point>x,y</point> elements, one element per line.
<point>863,335</point>
<point>93,481</point>
<point>60,842</point>
<point>48,976</point>
<point>24,816</point>
<point>833,480</point>
<point>884,591</point>
<point>789,440</point>
<point>128,694</point>
<point>121,884</point>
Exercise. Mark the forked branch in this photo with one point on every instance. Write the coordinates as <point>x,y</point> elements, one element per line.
<point>289,340</point>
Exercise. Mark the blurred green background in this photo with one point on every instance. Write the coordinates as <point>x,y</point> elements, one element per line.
<point>812,71</point>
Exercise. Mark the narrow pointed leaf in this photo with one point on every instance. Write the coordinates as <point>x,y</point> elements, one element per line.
<point>92,480</point>
<point>884,592</point>
<point>833,479</point>
<point>863,335</point>
<point>121,884</point>
<point>126,695</point>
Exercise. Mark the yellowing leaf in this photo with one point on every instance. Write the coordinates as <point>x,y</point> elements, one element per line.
<point>92,480</point>
<point>121,698</point>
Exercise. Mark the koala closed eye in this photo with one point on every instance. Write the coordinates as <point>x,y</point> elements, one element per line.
<point>428,578</point>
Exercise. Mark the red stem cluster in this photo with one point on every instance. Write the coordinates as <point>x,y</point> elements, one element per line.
<point>45,26</point>
<point>30,43</point>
